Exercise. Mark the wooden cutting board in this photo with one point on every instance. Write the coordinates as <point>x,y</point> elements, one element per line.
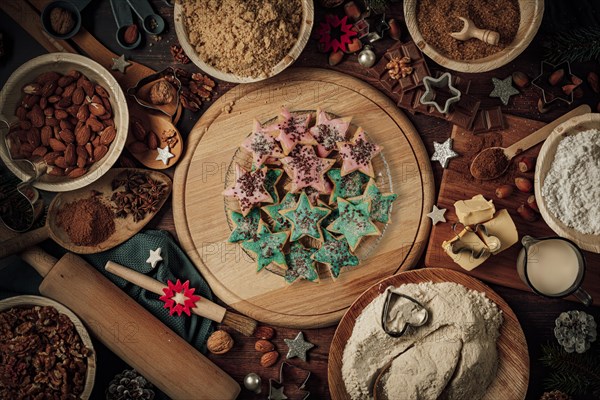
<point>512,377</point>
<point>458,184</point>
<point>199,211</point>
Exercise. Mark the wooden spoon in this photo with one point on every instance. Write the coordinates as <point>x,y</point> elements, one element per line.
<point>124,227</point>
<point>526,143</point>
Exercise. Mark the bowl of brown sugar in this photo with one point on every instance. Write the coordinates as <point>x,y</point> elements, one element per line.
<point>243,41</point>
<point>430,23</point>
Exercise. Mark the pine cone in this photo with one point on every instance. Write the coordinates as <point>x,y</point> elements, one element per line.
<point>129,385</point>
<point>555,395</point>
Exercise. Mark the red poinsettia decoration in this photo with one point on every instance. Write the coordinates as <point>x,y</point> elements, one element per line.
<point>335,34</point>
<point>179,297</point>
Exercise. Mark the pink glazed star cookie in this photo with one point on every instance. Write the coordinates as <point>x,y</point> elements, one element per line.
<point>305,169</point>
<point>249,189</point>
<point>358,153</point>
<point>261,143</point>
<point>328,132</point>
<point>293,130</point>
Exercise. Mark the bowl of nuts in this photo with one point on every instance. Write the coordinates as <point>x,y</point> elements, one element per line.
<point>45,350</point>
<point>66,113</point>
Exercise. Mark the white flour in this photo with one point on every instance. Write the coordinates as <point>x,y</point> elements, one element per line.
<point>453,356</point>
<point>571,189</point>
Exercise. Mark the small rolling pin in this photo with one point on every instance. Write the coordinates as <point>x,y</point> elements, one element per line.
<point>204,308</point>
<point>469,31</point>
<point>129,330</point>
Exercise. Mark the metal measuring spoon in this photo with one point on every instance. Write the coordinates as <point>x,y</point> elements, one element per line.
<point>124,19</point>
<point>73,6</point>
<point>153,23</point>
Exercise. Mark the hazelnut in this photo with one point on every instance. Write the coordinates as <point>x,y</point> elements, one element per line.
<point>264,332</point>
<point>269,359</point>
<point>526,164</point>
<point>594,81</point>
<point>504,191</point>
<point>131,34</point>
<point>264,346</point>
<point>532,203</point>
<point>220,342</point>
<point>526,213</point>
<point>161,93</point>
<point>395,31</point>
<point>336,57</point>
<point>523,184</point>
<point>61,20</point>
<point>556,77</point>
<point>520,79</point>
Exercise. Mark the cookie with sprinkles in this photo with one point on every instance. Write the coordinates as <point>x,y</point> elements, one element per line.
<point>329,132</point>
<point>271,180</point>
<point>357,154</point>
<point>306,169</point>
<point>249,188</point>
<point>350,185</point>
<point>246,227</point>
<point>300,264</point>
<point>335,213</point>
<point>293,130</point>
<point>336,254</point>
<point>279,222</point>
<point>314,195</point>
<point>305,219</point>
<point>380,202</point>
<point>354,222</point>
<point>261,143</point>
<point>268,247</point>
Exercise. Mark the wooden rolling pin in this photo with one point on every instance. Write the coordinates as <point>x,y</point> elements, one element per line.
<point>129,330</point>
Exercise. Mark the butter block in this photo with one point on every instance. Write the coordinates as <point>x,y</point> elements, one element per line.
<point>475,210</point>
<point>465,259</point>
<point>503,227</point>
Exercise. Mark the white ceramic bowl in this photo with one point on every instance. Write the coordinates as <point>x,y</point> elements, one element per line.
<point>293,54</point>
<point>11,96</point>
<point>30,301</point>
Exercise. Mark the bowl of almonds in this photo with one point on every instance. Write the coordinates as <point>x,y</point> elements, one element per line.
<point>65,113</point>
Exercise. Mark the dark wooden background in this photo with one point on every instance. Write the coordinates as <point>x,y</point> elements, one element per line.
<point>535,313</point>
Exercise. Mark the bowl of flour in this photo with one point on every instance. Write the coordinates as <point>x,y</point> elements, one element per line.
<point>471,346</point>
<point>566,181</point>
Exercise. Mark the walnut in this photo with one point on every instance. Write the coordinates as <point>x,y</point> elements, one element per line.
<point>61,20</point>
<point>161,93</point>
<point>220,342</point>
<point>399,67</point>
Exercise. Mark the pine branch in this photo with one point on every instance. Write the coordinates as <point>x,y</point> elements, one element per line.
<point>572,373</point>
<point>581,44</point>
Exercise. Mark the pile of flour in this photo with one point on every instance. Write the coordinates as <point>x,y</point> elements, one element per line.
<point>452,356</point>
<point>571,188</point>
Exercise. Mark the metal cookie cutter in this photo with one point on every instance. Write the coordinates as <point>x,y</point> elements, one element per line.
<point>141,91</point>
<point>444,96</point>
<point>298,376</point>
<point>492,243</point>
<point>418,314</point>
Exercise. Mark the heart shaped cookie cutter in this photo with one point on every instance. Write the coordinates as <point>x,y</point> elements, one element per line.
<point>412,308</point>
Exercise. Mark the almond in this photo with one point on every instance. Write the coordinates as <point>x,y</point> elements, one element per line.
<point>49,111</point>
<point>74,73</point>
<point>60,162</point>
<point>264,332</point>
<point>76,172</point>
<point>81,161</point>
<point>82,135</point>
<point>49,88</point>
<point>56,171</point>
<point>69,90</point>
<point>65,80</point>
<point>264,346</point>
<point>60,114</point>
<point>25,125</point>
<point>78,96</point>
<point>94,124</point>
<point>40,151</point>
<point>107,105</point>
<point>45,135</point>
<point>32,88</point>
<point>108,135</point>
<point>138,131</point>
<point>89,149</point>
<point>97,109</point>
<point>524,184</point>
<point>33,137</point>
<point>101,91</point>
<point>47,77</point>
<point>269,359</point>
<point>83,113</point>
<point>51,121</point>
<point>43,103</point>
<point>54,99</point>
<point>88,87</point>
<point>152,140</point>
<point>65,124</point>
<point>51,157</point>
<point>36,116</point>
<point>56,144</point>
<point>21,113</point>
<point>137,147</point>
<point>64,102</point>
<point>59,91</point>
<point>70,155</point>
<point>100,152</point>
<point>30,100</point>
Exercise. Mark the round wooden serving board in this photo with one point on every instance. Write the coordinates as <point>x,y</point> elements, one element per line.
<point>512,377</point>
<point>199,210</point>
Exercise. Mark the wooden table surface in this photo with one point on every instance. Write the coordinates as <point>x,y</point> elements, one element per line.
<point>535,313</point>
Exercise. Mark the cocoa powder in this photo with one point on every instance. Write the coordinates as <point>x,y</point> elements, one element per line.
<point>86,221</point>
<point>490,163</point>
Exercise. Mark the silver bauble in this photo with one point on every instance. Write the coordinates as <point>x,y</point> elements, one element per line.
<point>367,57</point>
<point>252,382</point>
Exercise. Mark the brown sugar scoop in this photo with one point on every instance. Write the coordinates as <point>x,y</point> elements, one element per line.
<point>124,228</point>
<point>492,162</point>
<point>469,31</point>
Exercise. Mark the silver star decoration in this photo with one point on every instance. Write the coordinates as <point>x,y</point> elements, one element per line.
<point>437,215</point>
<point>164,155</point>
<point>443,152</point>
<point>298,347</point>
<point>503,89</point>
<point>120,64</point>
<point>154,258</point>
<point>277,394</point>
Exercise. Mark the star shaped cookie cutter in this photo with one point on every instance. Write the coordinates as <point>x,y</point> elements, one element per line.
<point>552,93</point>
<point>432,97</point>
<point>385,312</point>
<point>276,387</point>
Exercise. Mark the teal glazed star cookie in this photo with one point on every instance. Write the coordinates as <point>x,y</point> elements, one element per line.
<point>333,215</point>
<point>336,254</point>
<point>354,222</point>
<point>271,179</point>
<point>246,228</point>
<point>267,247</point>
<point>306,219</point>
<point>281,223</point>
<point>300,264</point>
<point>380,202</point>
<point>350,185</point>
<point>249,188</point>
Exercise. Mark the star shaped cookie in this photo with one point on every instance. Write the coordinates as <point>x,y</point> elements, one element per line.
<point>306,169</point>
<point>354,222</point>
<point>271,180</point>
<point>358,153</point>
<point>246,227</point>
<point>306,219</point>
<point>335,253</point>
<point>249,188</point>
<point>293,130</point>
<point>281,223</point>
<point>267,247</point>
<point>380,202</point>
<point>300,264</point>
<point>261,143</point>
<point>328,132</point>
<point>350,185</point>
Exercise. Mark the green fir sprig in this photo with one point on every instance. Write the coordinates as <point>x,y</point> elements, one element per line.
<point>577,45</point>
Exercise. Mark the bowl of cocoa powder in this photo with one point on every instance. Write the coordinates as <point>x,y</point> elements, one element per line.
<point>66,112</point>
<point>243,41</point>
<point>430,23</point>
